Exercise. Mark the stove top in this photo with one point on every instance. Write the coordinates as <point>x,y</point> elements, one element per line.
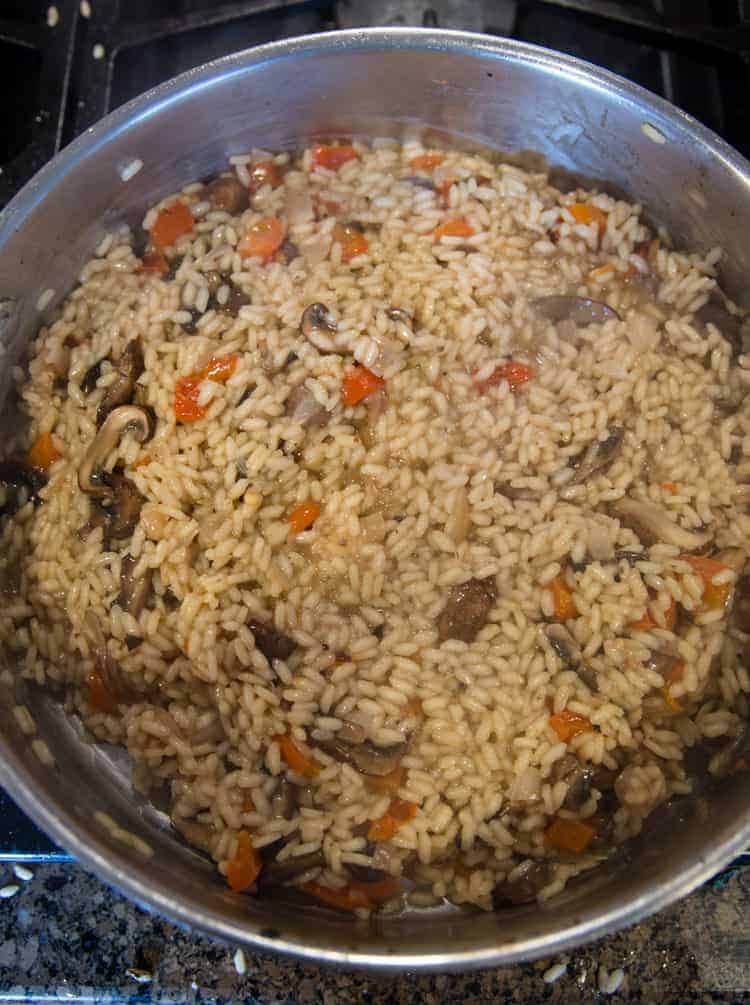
<point>79,59</point>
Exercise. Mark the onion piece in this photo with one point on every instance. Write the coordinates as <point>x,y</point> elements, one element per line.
<point>298,206</point>
<point>580,310</point>
<point>652,525</point>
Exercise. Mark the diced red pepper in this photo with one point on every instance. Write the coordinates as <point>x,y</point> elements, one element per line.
<point>514,373</point>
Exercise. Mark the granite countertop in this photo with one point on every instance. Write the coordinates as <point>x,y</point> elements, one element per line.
<point>65,936</point>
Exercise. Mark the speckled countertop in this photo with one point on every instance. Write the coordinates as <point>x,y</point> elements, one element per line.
<point>64,936</point>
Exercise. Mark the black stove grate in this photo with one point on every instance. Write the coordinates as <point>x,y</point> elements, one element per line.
<point>68,64</point>
<point>78,61</point>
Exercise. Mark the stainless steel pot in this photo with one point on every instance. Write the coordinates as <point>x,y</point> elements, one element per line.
<point>462,88</point>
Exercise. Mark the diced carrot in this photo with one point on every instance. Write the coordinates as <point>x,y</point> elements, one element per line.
<point>356,894</point>
<point>171,222</point>
<point>295,759</point>
<point>671,702</point>
<point>426,162</point>
<point>457,227</point>
<point>142,460</point>
<point>514,373</point>
<point>568,724</point>
<point>264,173</point>
<point>353,242</point>
<point>379,890</point>
<point>358,384</point>
<point>601,273</point>
<point>244,868</point>
<point>332,156</point>
<point>714,598</point>
<point>43,453</point>
<point>154,262</point>
<point>562,599</point>
<point>248,804</point>
<point>187,389</point>
<point>399,812</point>
<point>584,212</point>
<point>646,623</point>
<point>220,368</point>
<point>412,709</point>
<point>676,672</point>
<point>99,695</point>
<point>304,516</point>
<point>386,784</point>
<point>345,898</point>
<point>569,835</point>
<point>670,487</point>
<point>263,239</point>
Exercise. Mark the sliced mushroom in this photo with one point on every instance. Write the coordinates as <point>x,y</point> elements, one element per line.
<point>91,377</point>
<point>467,610</point>
<point>724,761</point>
<point>302,406</point>
<point>287,252</point>
<point>319,326</point>
<point>564,645</point>
<point>418,181</point>
<point>20,482</point>
<point>524,888</point>
<point>284,801</point>
<point>272,643</point>
<point>133,592</point>
<point>214,281</point>
<point>129,368</point>
<point>598,455</point>
<point>124,509</point>
<point>580,310</point>
<point>514,493</point>
<point>661,660</point>
<point>228,194</point>
<point>366,873</point>
<point>195,833</point>
<point>365,757</point>
<point>125,418</point>
<point>651,524</point>
<point>716,312</point>
<point>569,652</point>
<point>735,558</point>
<point>278,873</point>
<point>234,302</point>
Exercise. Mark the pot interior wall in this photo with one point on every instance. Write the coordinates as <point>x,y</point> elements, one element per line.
<point>465,91</point>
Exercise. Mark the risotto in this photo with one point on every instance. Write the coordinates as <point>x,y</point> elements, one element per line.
<point>390,507</point>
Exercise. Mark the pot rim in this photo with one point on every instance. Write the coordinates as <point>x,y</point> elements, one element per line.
<point>85,843</point>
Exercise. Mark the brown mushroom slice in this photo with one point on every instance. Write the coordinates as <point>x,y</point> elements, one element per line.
<point>524,888</point>
<point>599,455</point>
<point>91,377</point>
<point>652,525</point>
<point>21,483</point>
<point>126,418</point>
<point>318,325</point>
<point>129,368</point>
<point>124,510</point>
<point>236,300</point>
<point>725,761</point>
<point>272,643</point>
<point>133,592</point>
<point>195,833</point>
<point>284,801</point>
<point>715,312</point>
<point>564,645</point>
<point>302,406</point>
<point>277,873</point>
<point>365,757</point>
<point>581,311</point>
<point>418,181</point>
<point>467,610</point>
<point>228,194</point>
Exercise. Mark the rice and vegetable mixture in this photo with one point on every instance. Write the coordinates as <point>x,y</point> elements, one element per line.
<point>390,507</point>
